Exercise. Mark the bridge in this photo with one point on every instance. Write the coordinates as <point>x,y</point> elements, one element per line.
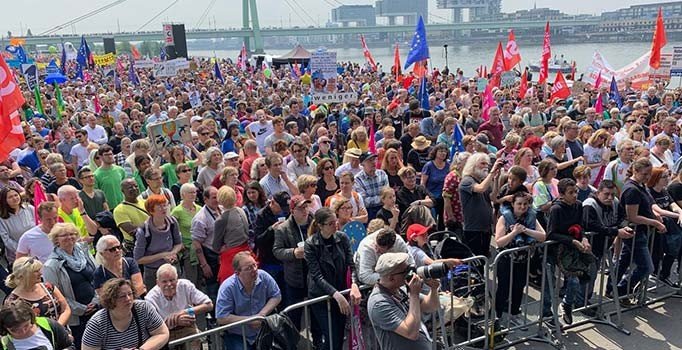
<point>298,32</point>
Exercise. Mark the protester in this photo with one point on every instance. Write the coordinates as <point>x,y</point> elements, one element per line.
<point>142,326</point>
<point>15,219</point>
<point>231,231</point>
<point>24,329</point>
<point>114,265</point>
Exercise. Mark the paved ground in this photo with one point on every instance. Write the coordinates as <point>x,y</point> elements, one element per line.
<point>657,326</point>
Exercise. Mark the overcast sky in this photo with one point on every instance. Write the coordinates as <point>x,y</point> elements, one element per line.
<point>42,15</point>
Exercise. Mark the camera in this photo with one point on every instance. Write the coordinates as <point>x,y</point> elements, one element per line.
<point>434,271</point>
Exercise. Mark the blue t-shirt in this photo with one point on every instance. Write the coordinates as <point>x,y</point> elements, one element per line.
<point>102,275</point>
<point>228,146</point>
<point>436,177</point>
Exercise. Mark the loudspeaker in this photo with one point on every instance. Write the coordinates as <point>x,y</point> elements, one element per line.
<point>170,52</point>
<point>109,45</point>
<point>179,40</point>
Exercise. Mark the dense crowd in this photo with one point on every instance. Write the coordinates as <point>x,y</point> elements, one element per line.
<point>275,200</point>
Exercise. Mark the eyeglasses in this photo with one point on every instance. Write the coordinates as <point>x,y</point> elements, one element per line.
<point>205,134</point>
<point>68,234</point>
<point>638,130</point>
<point>186,170</point>
<point>114,249</point>
<point>300,150</point>
<point>328,168</point>
<point>630,121</point>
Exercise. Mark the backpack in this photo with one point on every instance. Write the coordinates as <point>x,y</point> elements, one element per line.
<point>278,332</point>
<point>148,235</point>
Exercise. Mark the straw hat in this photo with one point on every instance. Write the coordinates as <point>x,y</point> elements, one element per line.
<point>421,143</point>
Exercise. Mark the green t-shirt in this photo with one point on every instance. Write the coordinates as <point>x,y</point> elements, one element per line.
<point>169,174</point>
<point>109,181</point>
<point>185,223</point>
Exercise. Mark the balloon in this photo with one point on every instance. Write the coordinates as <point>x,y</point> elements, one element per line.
<point>52,49</point>
<point>267,72</point>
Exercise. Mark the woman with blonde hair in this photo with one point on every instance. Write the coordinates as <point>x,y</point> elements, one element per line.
<point>258,169</point>
<point>343,210</point>
<point>231,231</point>
<point>358,139</point>
<point>524,159</point>
<point>596,155</point>
<point>213,162</point>
<point>391,163</point>
<point>44,298</point>
<point>71,268</point>
<point>636,134</point>
<point>307,186</point>
<point>346,181</point>
<point>585,133</point>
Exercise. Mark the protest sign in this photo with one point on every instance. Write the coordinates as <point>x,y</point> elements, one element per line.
<point>195,99</point>
<point>165,69</point>
<point>324,77</point>
<point>104,60</point>
<point>638,72</point>
<point>481,83</point>
<point>144,64</point>
<point>507,79</point>
<point>30,74</point>
<point>169,133</point>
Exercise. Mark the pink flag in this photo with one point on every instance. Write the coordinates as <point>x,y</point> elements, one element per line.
<point>597,82</point>
<point>599,105</point>
<point>97,105</point>
<point>38,197</point>
<point>372,142</point>
<point>488,102</point>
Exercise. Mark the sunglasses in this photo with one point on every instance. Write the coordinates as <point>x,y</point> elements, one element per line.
<point>114,249</point>
<point>328,168</point>
<point>185,170</point>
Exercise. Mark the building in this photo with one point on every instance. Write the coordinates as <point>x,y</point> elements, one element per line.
<point>479,10</point>
<point>642,18</point>
<point>409,10</point>
<point>359,15</point>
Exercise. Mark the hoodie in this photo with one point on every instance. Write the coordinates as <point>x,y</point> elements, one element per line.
<point>562,216</point>
<point>603,220</point>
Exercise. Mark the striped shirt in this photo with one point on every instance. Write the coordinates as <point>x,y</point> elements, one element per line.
<point>271,185</point>
<point>101,334</point>
<point>369,187</point>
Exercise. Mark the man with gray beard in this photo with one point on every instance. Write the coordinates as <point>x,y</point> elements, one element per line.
<point>477,189</point>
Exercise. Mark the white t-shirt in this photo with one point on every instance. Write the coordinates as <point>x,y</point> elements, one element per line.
<point>37,341</point>
<point>593,155</point>
<point>97,134</point>
<point>262,131</point>
<point>35,242</point>
<point>619,169</point>
<point>81,153</point>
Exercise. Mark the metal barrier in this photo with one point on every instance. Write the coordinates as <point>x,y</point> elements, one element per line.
<point>602,288</point>
<point>214,335</point>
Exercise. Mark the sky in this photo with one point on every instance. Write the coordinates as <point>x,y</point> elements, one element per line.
<point>132,15</point>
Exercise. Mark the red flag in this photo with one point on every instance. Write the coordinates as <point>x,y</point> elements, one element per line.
<point>368,55</point>
<point>597,82</point>
<point>135,53</point>
<point>396,64</point>
<point>512,56</point>
<point>408,81</point>
<point>38,197</point>
<point>560,88</point>
<point>11,99</point>
<point>524,85</point>
<point>419,69</point>
<point>480,71</point>
<point>485,71</point>
<point>498,66</point>
<point>546,55</point>
<point>488,102</point>
<point>659,40</point>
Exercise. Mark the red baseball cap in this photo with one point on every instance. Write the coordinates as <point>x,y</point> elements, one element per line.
<point>415,230</point>
<point>297,200</point>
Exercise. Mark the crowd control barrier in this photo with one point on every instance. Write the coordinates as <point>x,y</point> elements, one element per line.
<point>214,336</point>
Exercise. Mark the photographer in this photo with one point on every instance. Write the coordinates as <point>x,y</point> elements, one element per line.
<point>395,315</point>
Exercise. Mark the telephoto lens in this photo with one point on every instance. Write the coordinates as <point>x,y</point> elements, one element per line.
<point>434,271</point>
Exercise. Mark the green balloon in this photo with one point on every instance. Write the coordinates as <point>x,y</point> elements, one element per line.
<point>52,49</point>
<point>267,72</point>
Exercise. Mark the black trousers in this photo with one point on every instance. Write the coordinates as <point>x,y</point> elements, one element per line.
<point>505,277</point>
<point>478,242</point>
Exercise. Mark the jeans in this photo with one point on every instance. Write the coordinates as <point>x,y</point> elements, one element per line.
<point>588,289</point>
<point>235,342</point>
<point>338,321</point>
<point>293,295</point>
<point>517,281</point>
<point>636,248</point>
<point>575,289</point>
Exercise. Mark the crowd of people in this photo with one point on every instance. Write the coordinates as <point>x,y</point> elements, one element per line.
<point>274,200</point>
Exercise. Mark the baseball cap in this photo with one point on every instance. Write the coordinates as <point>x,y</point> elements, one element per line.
<point>389,261</point>
<point>367,155</point>
<point>297,201</point>
<point>196,118</point>
<point>415,230</point>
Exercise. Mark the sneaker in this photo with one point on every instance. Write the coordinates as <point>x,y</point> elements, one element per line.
<point>568,313</point>
<point>517,321</point>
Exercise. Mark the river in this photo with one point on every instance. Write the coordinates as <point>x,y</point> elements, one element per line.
<point>470,57</point>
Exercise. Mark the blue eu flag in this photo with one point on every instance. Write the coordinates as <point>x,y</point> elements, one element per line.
<point>424,95</point>
<point>614,94</point>
<point>216,71</point>
<point>419,49</point>
<point>457,141</point>
<point>83,53</point>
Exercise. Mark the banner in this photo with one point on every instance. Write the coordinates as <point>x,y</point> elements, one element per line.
<point>104,60</point>
<point>638,72</point>
<point>169,133</point>
<point>144,64</point>
<point>165,69</point>
<point>168,34</point>
<point>676,64</point>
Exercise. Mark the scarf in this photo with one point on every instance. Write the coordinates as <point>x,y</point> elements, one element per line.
<point>75,262</point>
